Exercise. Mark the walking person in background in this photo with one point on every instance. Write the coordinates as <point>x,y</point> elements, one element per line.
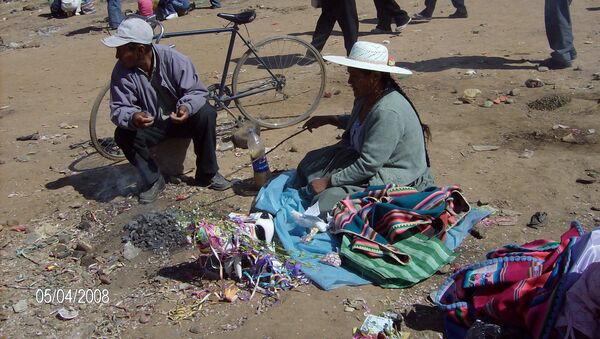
<point>559,32</point>
<point>426,14</point>
<point>115,14</point>
<point>344,13</point>
<point>386,11</point>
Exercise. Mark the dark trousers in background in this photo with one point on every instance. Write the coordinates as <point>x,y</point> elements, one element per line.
<point>559,30</point>
<point>430,7</point>
<point>386,11</point>
<point>344,13</point>
<point>200,127</point>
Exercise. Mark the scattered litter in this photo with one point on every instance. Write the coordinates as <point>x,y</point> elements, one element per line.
<point>471,72</point>
<point>559,126</point>
<point>538,219</point>
<point>64,125</point>
<point>388,325</point>
<point>526,154</point>
<point>543,68</point>
<point>130,251</point>
<point>182,196</point>
<point>499,221</point>
<point>230,293</point>
<point>67,313</point>
<point>500,99</point>
<point>226,146</point>
<point>569,138</point>
<point>483,148</point>
<point>385,42</point>
<point>533,83</point>
<point>469,95</point>
<point>353,304</point>
<point>33,136</point>
<point>20,306</point>
<point>488,103</point>
<point>310,219</point>
<point>332,259</point>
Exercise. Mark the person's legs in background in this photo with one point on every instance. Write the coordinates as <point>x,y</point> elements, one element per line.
<point>384,20</point>
<point>324,25</point>
<point>559,33</point>
<point>180,6</point>
<point>115,15</point>
<point>461,10</point>
<point>347,18</point>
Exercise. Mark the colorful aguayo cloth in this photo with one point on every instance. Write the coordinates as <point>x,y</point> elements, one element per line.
<point>518,286</point>
<point>395,235</point>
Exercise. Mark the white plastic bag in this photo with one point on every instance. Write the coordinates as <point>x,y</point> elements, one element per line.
<point>70,6</point>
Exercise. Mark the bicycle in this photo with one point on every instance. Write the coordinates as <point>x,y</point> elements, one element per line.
<point>277,82</point>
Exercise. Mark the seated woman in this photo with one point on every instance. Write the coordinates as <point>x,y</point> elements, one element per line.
<point>383,141</point>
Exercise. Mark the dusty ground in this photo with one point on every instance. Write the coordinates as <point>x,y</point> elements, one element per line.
<point>48,185</point>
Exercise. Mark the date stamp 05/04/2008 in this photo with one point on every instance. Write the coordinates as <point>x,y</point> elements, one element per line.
<point>72,296</point>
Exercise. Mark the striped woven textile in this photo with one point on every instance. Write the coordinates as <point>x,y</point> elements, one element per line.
<point>517,286</point>
<point>383,215</point>
<point>392,234</point>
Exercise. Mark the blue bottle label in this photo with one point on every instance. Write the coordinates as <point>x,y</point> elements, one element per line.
<point>260,165</point>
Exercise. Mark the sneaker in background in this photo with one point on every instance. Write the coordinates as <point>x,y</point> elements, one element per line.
<point>402,23</point>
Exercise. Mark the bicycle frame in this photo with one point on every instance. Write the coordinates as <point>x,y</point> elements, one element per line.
<point>222,97</point>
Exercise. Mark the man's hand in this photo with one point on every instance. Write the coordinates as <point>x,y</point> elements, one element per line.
<point>181,116</point>
<point>320,120</point>
<point>142,120</point>
<point>319,185</point>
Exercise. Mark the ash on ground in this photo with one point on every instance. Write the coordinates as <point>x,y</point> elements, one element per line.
<point>156,231</point>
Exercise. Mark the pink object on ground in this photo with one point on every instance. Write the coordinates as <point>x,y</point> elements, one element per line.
<point>145,7</point>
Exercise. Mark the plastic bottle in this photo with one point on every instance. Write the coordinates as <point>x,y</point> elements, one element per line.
<point>260,165</point>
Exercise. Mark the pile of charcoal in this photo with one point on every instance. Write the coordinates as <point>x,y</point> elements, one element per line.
<point>156,231</point>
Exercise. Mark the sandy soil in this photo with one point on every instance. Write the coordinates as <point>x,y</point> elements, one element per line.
<point>49,184</point>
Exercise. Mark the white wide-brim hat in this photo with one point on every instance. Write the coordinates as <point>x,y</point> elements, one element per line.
<point>371,56</point>
<point>130,30</point>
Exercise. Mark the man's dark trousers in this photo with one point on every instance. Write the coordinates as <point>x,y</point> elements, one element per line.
<point>200,127</point>
<point>386,11</point>
<point>342,11</point>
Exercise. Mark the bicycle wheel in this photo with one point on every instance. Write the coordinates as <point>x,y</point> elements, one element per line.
<point>102,130</point>
<point>301,71</point>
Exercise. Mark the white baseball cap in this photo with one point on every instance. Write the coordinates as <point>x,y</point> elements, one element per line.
<point>130,30</point>
<point>371,56</point>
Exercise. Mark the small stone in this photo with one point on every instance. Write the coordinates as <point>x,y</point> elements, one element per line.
<point>30,8</point>
<point>22,158</point>
<point>327,94</point>
<point>226,146</point>
<point>533,83</point>
<point>510,101</point>
<point>75,205</point>
<point>144,319</point>
<point>195,330</point>
<point>471,72</point>
<point>385,42</point>
<point>596,76</point>
<point>293,149</point>
<point>84,225</point>
<point>104,279</point>
<point>543,69</point>
<point>78,254</point>
<point>595,208</point>
<point>349,309</point>
<point>337,92</point>
<point>184,286</point>
<point>578,68</point>
<point>570,138</point>
<point>83,246</point>
<point>527,154</point>
<point>484,148</point>
<point>20,306</point>
<point>60,251</point>
<point>515,92</point>
<point>488,103</point>
<point>87,261</point>
<point>445,269</point>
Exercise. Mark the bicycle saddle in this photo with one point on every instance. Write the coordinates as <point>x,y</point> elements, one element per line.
<point>240,18</point>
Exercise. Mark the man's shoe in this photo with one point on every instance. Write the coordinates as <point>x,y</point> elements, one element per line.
<point>458,15</point>
<point>554,64</point>
<point>402,23</point>
<point>420,18</point>
<point>152,193</point>
<point>217,183</point>
<point>380,31</point>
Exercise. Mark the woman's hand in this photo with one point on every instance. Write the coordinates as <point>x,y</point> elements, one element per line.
<point>320,120</point>
<point>319,185</point>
